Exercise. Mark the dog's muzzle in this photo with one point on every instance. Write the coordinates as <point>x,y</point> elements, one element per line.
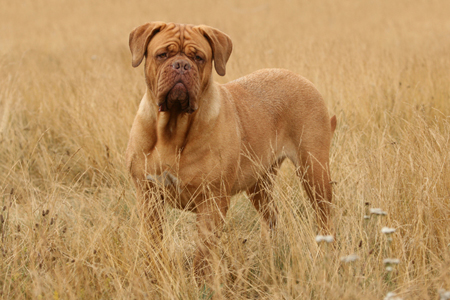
<point>179,93</point>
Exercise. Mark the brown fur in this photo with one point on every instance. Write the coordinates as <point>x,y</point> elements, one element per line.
<point>195,143</point>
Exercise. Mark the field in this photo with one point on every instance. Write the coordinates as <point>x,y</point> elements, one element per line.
<point>69,225</point>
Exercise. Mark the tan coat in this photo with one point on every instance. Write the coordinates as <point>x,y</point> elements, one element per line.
<point>194,143</point>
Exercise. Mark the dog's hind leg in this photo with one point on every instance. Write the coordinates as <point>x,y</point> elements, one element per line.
<point>314,173</point>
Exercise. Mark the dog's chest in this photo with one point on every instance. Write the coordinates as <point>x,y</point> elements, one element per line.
<point>181,166</point>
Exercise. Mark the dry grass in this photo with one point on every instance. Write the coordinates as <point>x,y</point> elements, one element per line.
<point>68,94</point>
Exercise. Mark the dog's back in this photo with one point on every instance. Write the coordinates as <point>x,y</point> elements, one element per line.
<point>278,108</point>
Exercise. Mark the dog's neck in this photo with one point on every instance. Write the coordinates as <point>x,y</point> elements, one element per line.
<point>173,127</point>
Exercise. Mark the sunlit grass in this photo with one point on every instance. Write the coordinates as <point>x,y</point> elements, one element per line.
<point>69,224</point>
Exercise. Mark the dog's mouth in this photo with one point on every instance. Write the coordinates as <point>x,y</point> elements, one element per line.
<point>178,95</point>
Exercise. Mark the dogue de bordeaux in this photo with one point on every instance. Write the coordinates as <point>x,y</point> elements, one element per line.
<point>195,143</point>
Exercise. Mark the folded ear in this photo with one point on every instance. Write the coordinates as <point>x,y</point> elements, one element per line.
<point>139,39</point>
<point>221,46</point>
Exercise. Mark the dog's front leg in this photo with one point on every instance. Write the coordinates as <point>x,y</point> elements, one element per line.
<point>151,210</point>
<point>211,215</point>
<point>151,214</point>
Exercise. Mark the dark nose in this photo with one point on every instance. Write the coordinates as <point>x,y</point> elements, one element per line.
<point>181,65</point>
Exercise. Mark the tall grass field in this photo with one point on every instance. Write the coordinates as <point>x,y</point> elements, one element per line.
<point>69,219</point>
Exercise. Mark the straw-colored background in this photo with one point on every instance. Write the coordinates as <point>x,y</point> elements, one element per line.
<point>68,94</point>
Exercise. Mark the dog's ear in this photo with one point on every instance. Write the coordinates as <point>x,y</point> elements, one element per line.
<point>139,39</point>
<point>221,46</point>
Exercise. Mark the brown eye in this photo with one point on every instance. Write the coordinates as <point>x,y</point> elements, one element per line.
<point>162,55</point>
<point>198,58</point>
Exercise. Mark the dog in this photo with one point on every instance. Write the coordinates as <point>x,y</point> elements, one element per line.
<point>194,143</point>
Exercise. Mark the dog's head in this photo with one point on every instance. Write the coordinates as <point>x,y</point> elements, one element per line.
<point>178,61</point>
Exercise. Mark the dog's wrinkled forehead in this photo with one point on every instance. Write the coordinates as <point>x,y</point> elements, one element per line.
<point>180,37</point>
<point>214,44</point>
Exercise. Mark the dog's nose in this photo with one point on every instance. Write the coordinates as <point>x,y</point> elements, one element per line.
<point>181,65</point>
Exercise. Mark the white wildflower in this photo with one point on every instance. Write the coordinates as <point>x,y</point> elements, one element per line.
<point>324,238</point>
<point>387,230</point>
<point>366,217</point>
<point>349,258</point>
<point>392,296</point>
<point>391,261</point>
<point>377,211</point>
<point>443,294</point>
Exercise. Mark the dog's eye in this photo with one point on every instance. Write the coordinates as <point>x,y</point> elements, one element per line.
<point>162,55</point>
<point>198,58</point>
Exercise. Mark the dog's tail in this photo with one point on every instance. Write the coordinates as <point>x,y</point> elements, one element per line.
<point>333,122</point>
